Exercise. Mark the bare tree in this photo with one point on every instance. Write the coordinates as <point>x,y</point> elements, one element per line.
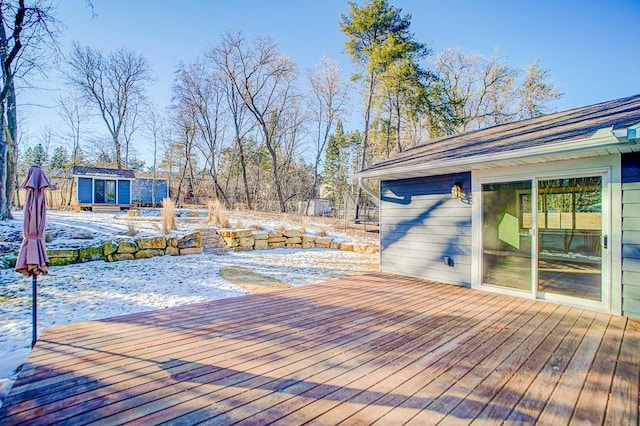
<point>154,126</point>
<point>536,92</point>
<point>329,94</point>
<point>186,129</point>
<point>114,84</point>
<point>27,33</point>
<point>264,81</point>
<point>199,93</point>
<point>224,61</point>
<point>72,113</point>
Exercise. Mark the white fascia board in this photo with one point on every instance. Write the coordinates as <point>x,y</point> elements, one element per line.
<point>112,177</point>
<point>603,138</point>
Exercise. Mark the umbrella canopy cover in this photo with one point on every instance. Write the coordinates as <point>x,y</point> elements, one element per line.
<point>32,259</point>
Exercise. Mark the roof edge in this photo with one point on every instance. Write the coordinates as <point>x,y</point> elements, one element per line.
<point>601,139</point>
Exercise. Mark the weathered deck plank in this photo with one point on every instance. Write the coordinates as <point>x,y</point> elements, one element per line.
<point>375,348</point>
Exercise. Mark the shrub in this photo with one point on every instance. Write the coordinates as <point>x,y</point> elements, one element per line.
<point>217,215</point>
<point>131,230</point>
<point>168,216</point>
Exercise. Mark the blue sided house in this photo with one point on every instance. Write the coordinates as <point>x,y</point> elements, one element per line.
<point>102,188</point>
<point>148,191</point>
<point>109,189</point>
<point>545,208</point>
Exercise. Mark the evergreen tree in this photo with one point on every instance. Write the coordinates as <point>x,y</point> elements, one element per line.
<point>34,156</point>
<point>339,163</point>
<point>59,159</point>
<point>378,36</point>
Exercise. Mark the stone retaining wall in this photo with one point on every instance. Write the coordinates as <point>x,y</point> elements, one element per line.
<point>236,239</point>
<point>139,248</point>
<point>246,239</point>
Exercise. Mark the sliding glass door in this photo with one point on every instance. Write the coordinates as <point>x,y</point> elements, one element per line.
<point>570,237</point>
<point>506,240</point>
<point>544,237</point>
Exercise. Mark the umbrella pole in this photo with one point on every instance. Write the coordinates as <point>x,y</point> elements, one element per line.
<point>34,298</point>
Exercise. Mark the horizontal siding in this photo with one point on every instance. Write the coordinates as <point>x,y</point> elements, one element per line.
<point>631,234</point>
<point>420,225</point>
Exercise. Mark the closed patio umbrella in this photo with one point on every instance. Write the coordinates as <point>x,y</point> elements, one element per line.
<point>32,259</point>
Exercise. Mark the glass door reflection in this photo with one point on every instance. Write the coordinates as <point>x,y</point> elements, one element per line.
<point>570,237</point>
<point>506,236</point>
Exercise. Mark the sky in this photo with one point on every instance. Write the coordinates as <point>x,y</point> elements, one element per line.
<point>589,47</point>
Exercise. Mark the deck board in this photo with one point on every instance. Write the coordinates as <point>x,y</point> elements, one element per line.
<point>374,348</point>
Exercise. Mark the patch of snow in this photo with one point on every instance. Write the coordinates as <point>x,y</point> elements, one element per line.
<point>96,290</point>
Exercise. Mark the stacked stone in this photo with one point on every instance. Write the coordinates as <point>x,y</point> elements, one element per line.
<point>212,242</point>
<point>238,239</point>
<point>140,248</point>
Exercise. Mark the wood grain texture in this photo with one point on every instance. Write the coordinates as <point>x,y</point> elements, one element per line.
<point>377,348</point>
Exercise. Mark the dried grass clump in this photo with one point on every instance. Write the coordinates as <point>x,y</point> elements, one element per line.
<point>322,232</point>
<point>217,215</point>
<point>131,230</point>
<point>168,216</point>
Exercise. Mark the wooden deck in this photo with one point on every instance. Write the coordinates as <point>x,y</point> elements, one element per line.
<point>374,348</point>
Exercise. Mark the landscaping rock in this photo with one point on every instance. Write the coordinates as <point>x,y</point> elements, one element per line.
<point>308,244</point>
<point>325,241</point>
<point>8,261</point>
<point>225,232</point>
<point>193,240</point>
<point>292,233</point>
<point>261,244</point>
<point>148,253</point>
<point>293,245</point>
<point>172,242</point>
<point>246,241</point>
<point>172,251</point>
<point>134,213</point>
<point>346,246</point>
<point>109,247</point>
<point>62,261</point>
<point>90,254</point>
<point>151,243</point>
<point>190,250</point>
<point>276,245</point>
<point>232,242</point>
<point>260,236</point>
<point>117,257</point>
<point>294,240</point>
<point>334,245</point>
<point>277,239</point>
<point>126,247</point>
<point>62,253</point>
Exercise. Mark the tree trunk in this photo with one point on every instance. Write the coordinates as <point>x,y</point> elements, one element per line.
<point>4,205</point>
<point>12,147</point>
<point>276,178</point>
<point>243,166</point>
<point>365,139</point>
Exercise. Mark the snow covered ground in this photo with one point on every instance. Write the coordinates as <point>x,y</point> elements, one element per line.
<point>100,289</point>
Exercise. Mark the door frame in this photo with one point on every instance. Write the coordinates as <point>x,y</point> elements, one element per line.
<point>609,168</point>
